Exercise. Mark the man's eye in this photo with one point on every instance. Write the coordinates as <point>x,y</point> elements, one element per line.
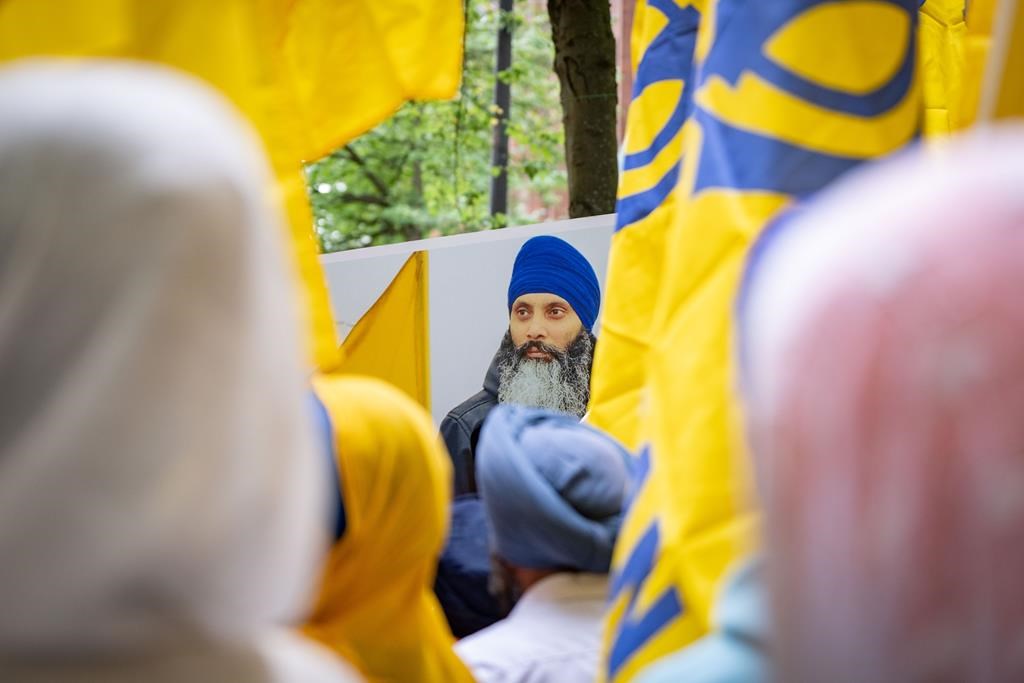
<point>522,312</point>
<point>557,312</point>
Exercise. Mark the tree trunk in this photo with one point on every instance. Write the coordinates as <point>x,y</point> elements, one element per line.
<point>585,64</point>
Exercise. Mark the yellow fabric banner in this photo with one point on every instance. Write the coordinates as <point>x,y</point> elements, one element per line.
<point>664,34</point>
<point>977,40</point>
<point>350,64</point>
<point>941,37</point>
<point>787,96</point>
<point>1003,86</point>
<point>392,340</point>
<point>310,74</point>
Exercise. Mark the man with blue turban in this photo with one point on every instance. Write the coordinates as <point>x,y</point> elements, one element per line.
<point>545,356</point>
<point>553,492</point>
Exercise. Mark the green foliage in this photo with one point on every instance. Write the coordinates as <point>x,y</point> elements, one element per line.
<point>427,170</point>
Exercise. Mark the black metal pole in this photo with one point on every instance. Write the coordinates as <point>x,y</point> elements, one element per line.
<point>502,102</point>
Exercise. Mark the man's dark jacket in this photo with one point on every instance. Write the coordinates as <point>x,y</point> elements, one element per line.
<point>460,429</point>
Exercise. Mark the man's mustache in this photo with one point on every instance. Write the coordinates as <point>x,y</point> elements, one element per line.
<point>536,345</point>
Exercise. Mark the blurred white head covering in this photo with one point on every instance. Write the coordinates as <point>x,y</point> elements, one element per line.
<point>883,334</point>
<point>158,476</point>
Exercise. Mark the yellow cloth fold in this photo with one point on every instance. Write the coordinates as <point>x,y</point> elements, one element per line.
<point>309,74</point>
<point>392,340</point>
<point>941,35</point>
<point>976,43</point>
<point>1002,93</point>
<point>376,605</point>
<point>662,42</point>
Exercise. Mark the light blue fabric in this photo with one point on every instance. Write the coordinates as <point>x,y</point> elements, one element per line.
<point>550,265</point>
<point>737,650</point>
<point>553,489</point>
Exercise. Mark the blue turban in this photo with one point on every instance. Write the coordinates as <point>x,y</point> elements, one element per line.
<point>553,489</point>
<point>546,264</point>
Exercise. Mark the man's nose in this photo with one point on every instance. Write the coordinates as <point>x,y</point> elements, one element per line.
<point>537,330</point>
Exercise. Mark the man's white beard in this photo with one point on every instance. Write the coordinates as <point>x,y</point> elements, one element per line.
<point>539,384</point>
<point>561,384</point>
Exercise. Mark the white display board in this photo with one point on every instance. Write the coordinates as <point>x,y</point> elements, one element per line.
<point>468,284</point>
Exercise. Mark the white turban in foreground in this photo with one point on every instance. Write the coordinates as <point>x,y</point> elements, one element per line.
<point>158,474</point>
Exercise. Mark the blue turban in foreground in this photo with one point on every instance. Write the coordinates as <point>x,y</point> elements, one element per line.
<point>553,489</point>
<point>550,265</point>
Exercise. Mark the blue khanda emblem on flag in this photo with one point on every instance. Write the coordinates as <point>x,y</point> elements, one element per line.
<point>663,39</point>
<point>650,164</point>
<point>818,116</point>
<point>788,95</point>
<point>637,624</point>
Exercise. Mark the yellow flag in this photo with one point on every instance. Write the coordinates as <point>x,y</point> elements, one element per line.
<point>1003,86</point>
<point>664,34</point>
<point>392,340</point>
<point>787,96</point>
<point>310,74</point>
<point>352,63</point>
<point>941,36</point>
<point>977,40</point>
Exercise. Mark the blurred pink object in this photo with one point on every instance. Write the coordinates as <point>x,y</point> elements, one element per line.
<point>885,401</point>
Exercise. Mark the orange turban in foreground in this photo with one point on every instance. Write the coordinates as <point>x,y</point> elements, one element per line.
<point>376,605</point>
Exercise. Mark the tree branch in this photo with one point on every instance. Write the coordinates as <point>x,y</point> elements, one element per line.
<point>409,149</point>
<point>365,199</point>
<point>379,184</point>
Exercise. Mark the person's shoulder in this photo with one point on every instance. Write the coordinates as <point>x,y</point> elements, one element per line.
<point>516,651</point>
<point>473,409</point>
<point>290,656</point>
<point>714,658</point>
<point>493,653</point>
<point>367,398</point>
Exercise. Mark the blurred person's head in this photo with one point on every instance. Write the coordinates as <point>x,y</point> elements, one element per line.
<point>376,604</point>
<point>158,475</point>
<point>553,491</point>
<point>883,349</point>
<point>553,301</point>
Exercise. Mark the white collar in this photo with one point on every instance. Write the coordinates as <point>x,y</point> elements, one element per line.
<point>564,587</point>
